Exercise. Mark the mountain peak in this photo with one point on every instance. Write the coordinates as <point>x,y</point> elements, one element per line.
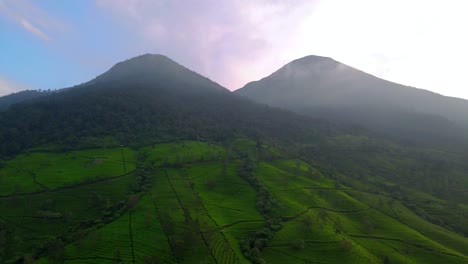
<point>146,64</point>
<point>312,59</point>
<point>315,82</point>
<point>304,67</point>
<point>148,58</point>
<point>154,70</point>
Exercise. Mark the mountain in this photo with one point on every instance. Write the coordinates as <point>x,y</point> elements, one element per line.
<point>323,87</point>
<point>158,69</point>
<point>147,98</point>
<point>151,162</point>
<point>14,98</point>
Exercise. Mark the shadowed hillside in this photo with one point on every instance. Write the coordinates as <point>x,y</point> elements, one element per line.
<point>147,98</point>
<point>323,87</point>
<point>152,163</point>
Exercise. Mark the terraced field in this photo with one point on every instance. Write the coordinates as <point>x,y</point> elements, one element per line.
<point>326,224</point>
<point>185,202</point>
<point>40,171</point>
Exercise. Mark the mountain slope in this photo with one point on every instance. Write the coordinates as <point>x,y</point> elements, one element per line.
<point>14,98</point>
<point>192,202</point>
<point>147,98</point>
<point>151,162</point>
<point>323,87</point>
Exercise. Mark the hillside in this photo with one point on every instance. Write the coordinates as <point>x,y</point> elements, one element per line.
<point>323,87</point>
<point>11,99</point>
<point>152,163</point>
<point>193,202</point>
<point>147,99</point>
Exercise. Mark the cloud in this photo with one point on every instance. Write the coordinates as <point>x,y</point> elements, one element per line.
<point>31,28</point>
<point>228,41</point>
<point>8,86</point>
<point>32,18</point>
<point>419,42</point>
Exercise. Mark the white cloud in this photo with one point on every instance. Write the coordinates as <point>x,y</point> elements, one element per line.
<point>420,43</point>
<point>228,41</point>
<point>417,43</point>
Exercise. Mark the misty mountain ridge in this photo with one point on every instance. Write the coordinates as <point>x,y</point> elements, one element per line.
<point>322,81</point>
<point>329,82</point>
<point>151,162</point>
<point>156,68</point>
<point>18,97</point>
<point>316,86</point>
<point>323,87</point>
<point>149,97</point>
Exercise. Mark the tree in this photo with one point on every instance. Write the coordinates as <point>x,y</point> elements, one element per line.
<point>96,200</point>
<point>117,256</point>
<point>368,225</point>
<point>152,260</point>
<point>56,250</point>
<point>132,201</point>
<point>307,221</point>
<point>167,223</point>
<point>346,245</point>
<point>28,259</point>
<point>386,260</point>
<point>47,205</point>
<point>178,245</point>
<point>148,218</point>
<point>211,184</point>
<point>298,244</point>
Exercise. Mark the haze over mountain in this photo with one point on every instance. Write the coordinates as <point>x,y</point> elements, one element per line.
<point>11,99</point>
<point>149,95</point>
<point>323,87</point>
<point>151,162</point>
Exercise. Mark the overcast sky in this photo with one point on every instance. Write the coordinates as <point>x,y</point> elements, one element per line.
<point>51,44</point>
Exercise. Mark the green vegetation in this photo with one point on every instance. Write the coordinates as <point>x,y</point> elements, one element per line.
<point>152,163</point>
<point>40,171</point>
<point>181,153</point>
<point>210,177</point>
<point>198,202</point>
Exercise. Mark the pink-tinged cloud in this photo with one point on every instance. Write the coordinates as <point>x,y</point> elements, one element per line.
<point>33,29</point>
<point>231,42</point>
<point>28,15</point>
<point>8,86</point>
<point>418,42</point>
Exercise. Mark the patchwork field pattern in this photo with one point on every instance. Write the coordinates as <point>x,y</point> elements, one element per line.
<point>184,202</point>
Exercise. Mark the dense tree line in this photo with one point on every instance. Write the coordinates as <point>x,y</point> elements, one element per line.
<point>143,109</point>
<point>14,98</point>
<point>266,205</point>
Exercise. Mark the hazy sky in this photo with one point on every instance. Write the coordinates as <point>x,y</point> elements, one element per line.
<point>54,44</point>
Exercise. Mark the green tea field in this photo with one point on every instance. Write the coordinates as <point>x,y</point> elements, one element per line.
<point>196,202</point>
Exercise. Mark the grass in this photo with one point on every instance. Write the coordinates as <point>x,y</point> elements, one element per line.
<point>396,210</point>
<point>23,215</point>
<point>336,214</point>
<point>229,201</point>
<point>136,235</point>
<point>182,152</point>
<point>39,171</point>
<point>198,210</point>
<point>178,209</point>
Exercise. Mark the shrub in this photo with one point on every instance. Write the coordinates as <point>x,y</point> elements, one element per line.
<point>298,244</point>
